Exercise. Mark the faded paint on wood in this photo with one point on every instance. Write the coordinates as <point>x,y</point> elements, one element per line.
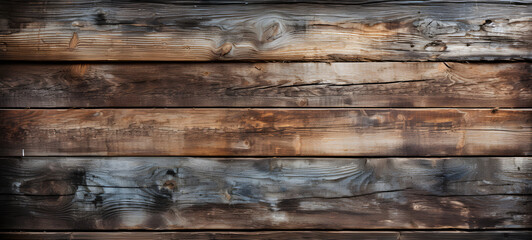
<point>265,193</point>
<point>265,132</point>
<point>128,30</point>
<point>377,84</point>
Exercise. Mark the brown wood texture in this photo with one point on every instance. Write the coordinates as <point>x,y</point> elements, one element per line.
<point>375,84</point>
<point>158,31</point>
<point>265,132</point>
<point>95,193</point>
<point>268,235</point>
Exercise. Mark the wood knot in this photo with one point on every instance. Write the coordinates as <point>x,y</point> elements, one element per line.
<point>436,46</point>
<point>486,24</point>
<point>77,24</point>
<point>73,41</point>
<point>270,29</point>
<point>432,27</point>
<point>225,49</point>
<point>303,102</point>
<point>171,172</point>
<point>227,195</point>
<point>170,185</point>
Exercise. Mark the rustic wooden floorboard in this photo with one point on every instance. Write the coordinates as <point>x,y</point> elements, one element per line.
<point>376,84</point>
<point>342,2</point>
<point>268,235</point>
<point>443,106</point>
<point>265,132</point>
<point>61,30</point>
<point>94,193</point>
<point>503,235</point>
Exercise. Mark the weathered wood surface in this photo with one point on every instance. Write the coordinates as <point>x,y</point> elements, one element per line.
<point>377,84</point>
<point>343,2</point>
<point>268,235</point>
<point>465,235</point>
<point>288,193</point>
<point>155,31</point>
<point>265,132</point>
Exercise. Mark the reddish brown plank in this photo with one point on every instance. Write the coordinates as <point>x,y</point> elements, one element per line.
<point>266,132</point>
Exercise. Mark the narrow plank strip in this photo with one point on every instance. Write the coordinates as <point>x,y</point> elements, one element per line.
<point>265,132</point>
<point>506,235</point>
<point>267,235</point>
<point>376,84</point>
<point>70,193</point>
<point>126,30</point>
<point>346,2</point>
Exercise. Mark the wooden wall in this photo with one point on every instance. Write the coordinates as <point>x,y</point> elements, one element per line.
<point>264,119</point>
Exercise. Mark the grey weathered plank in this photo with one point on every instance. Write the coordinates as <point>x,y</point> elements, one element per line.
<point>261,193</point>
<point>155,31</point>
<point>265,132</point>
<point>376,84</point>
<point>267,235</point>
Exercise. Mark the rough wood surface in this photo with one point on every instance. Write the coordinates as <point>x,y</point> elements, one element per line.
<point>268,235</point>
<point>265,132</point>
<point>343,2</point>
<point>156,31</point>
<point>377,84</point>
<point>262,193</point>
<point>465,235</point>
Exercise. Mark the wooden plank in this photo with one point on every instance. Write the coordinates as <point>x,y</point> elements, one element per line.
<point>466,235</point>
<point>128,30</point>
<point>376,84</point>
<point>265,132</point>
<point>42,235</point>
<point>70,193</point>
<point>267,235</point>
<point>343,2</point>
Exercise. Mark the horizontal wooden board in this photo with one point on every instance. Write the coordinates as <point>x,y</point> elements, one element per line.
<point>93,193</point>
<point>265,132</point>
<point>505,235</point>
<point>376,84</point>
<point>343,2</point>
<point>371,31</point>
<point>268,235</point>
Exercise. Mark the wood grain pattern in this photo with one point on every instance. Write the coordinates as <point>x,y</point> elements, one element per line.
<point>156,31</point>
<point>268,235</point>
<point>265,193</point>
<point>465,235</point>
<point>265,132</point>
<point>342,2</point>
<point>377,84</point>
